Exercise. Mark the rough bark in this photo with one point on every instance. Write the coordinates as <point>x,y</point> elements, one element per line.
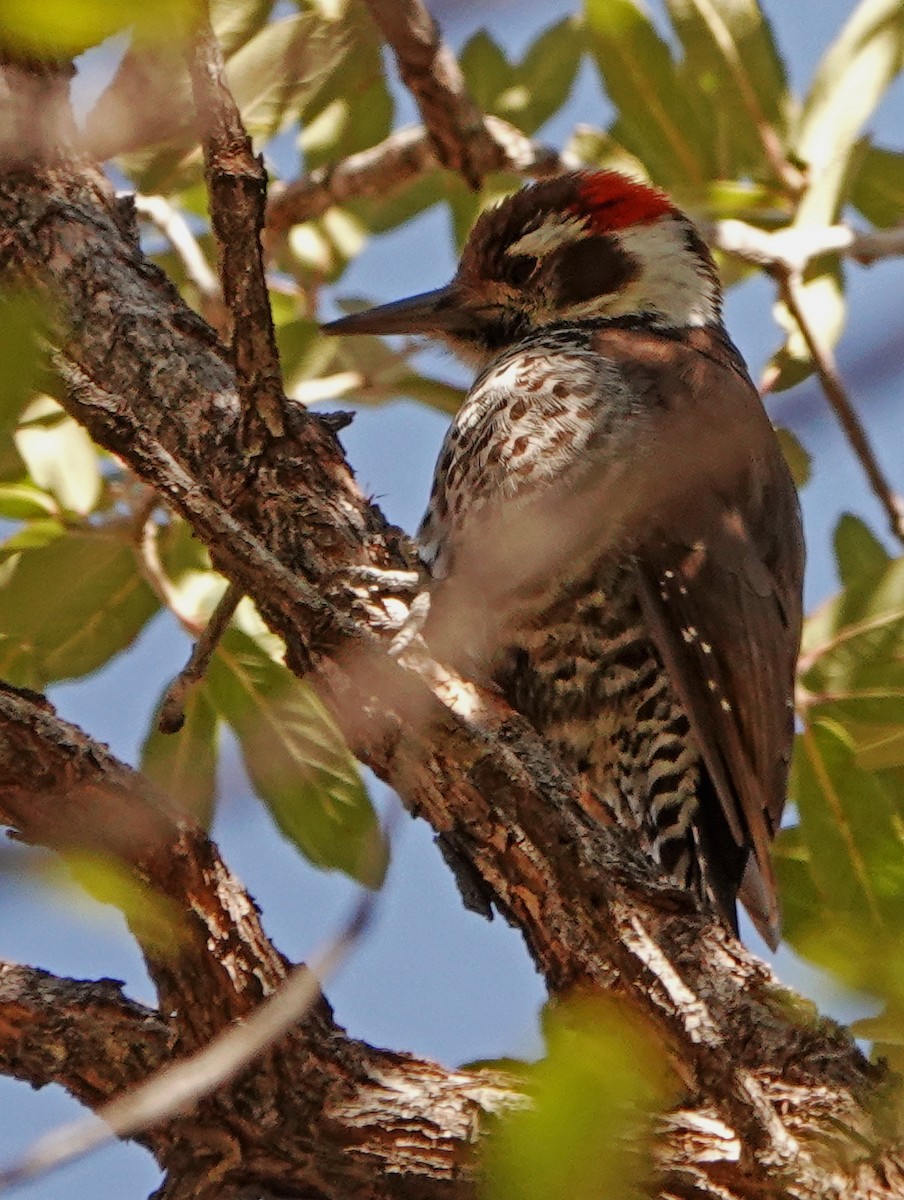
<point>779,1103</point>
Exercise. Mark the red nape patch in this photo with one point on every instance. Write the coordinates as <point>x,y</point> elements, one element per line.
<point>613,201</point>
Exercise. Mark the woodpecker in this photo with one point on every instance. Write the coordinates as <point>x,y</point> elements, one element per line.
<point>616,512</point>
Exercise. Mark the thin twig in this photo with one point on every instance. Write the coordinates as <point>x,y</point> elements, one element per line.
<point>150,567</point>
<point>177,1088</point>
<point>237,190</point>
<point>171,717</point>
<point>840,401</point>
<point>174,227</point>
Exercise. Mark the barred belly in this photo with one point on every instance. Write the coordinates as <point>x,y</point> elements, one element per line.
<point>585,672</point>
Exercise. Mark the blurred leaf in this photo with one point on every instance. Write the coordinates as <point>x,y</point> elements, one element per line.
<point>802,905</point>
<point>847,87</point>
<point>878,746</point>
<point>184,764</point>
<point>61,458</point>
<point>852,665</point>
<point>297,760</point>
<point>381,373</point>
<point>547,73</point>
<point>352,108</point>
<point>156,921</point>
<point>849,83</point>
<point>842,869</point>
<point>24,501</point>
<point>58,28</point>
<point>435,392</point>
<point>486,69</point>
<point>848,828</point>
<point>587,1132</point>
<point>798,460</point>
<point>69,606</point>
<point>381,213</point>
<point>304,352</point>
<point>530,92</point>
<point>598,148</point>
<point>860,629</point>
<point>277,71</point>
<point>657,117</point>
<point>731,56</point>
<point>146,104</point>
<point>31,536</point>
<point>859,553</point>
<point>887,1027</point>
<point>23,321</point>
<point>145,114</point>
<point>322,248</point>
<point>878,187</point>
<point>236,21</point>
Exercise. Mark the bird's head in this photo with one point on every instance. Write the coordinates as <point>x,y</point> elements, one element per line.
<point>576,248</point>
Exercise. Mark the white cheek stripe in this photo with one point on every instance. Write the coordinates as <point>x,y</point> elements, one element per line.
<point>555,230</point>
<point>670,281</point>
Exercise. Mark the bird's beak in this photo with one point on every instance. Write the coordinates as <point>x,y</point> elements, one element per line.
<point>439,311</point>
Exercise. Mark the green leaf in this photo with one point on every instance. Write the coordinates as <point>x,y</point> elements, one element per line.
<point>61,458</point>
<point>69,606</point>
<point>878,186</point>
<point>657,118</point>
<point>486,69</point>
<point>587,1131</point>
<point>145,114</point>
<point>303,352</point>
<point>32,536</point>
<point>24,501</point>
<point>156,921</point>
<point>530,92</point>
<point>381,213</point>
<point>546,73</point>
<point>802,905</point>
<point>57,28</point>
<point>859,553</point>
<point>798,460</point>
<point>279,69</point>
<point>235,22</point>
<point>860,629</point>
<point>297,760</point>
<point>321,249</point>
<point>352,108</point>
<point>847,87</point>
<point>731,56</point>
<point>184,764</point>
<point>848,828</point>
<point>23,322</point>
<point>843,868</point>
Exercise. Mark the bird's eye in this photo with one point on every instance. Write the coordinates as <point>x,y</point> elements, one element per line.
<point>519,268</point>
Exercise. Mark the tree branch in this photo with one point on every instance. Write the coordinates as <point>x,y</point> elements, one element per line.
<point>406,155</point>
<point>840,402</point>
<point>237,188</point>
<point>593,912</point>
<point>84,1035</point>
<point>341,1104</point>
<point>151,385</point>
<point>430,71</point>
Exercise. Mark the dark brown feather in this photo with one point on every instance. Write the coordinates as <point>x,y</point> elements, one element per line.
<point>720,572</point>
